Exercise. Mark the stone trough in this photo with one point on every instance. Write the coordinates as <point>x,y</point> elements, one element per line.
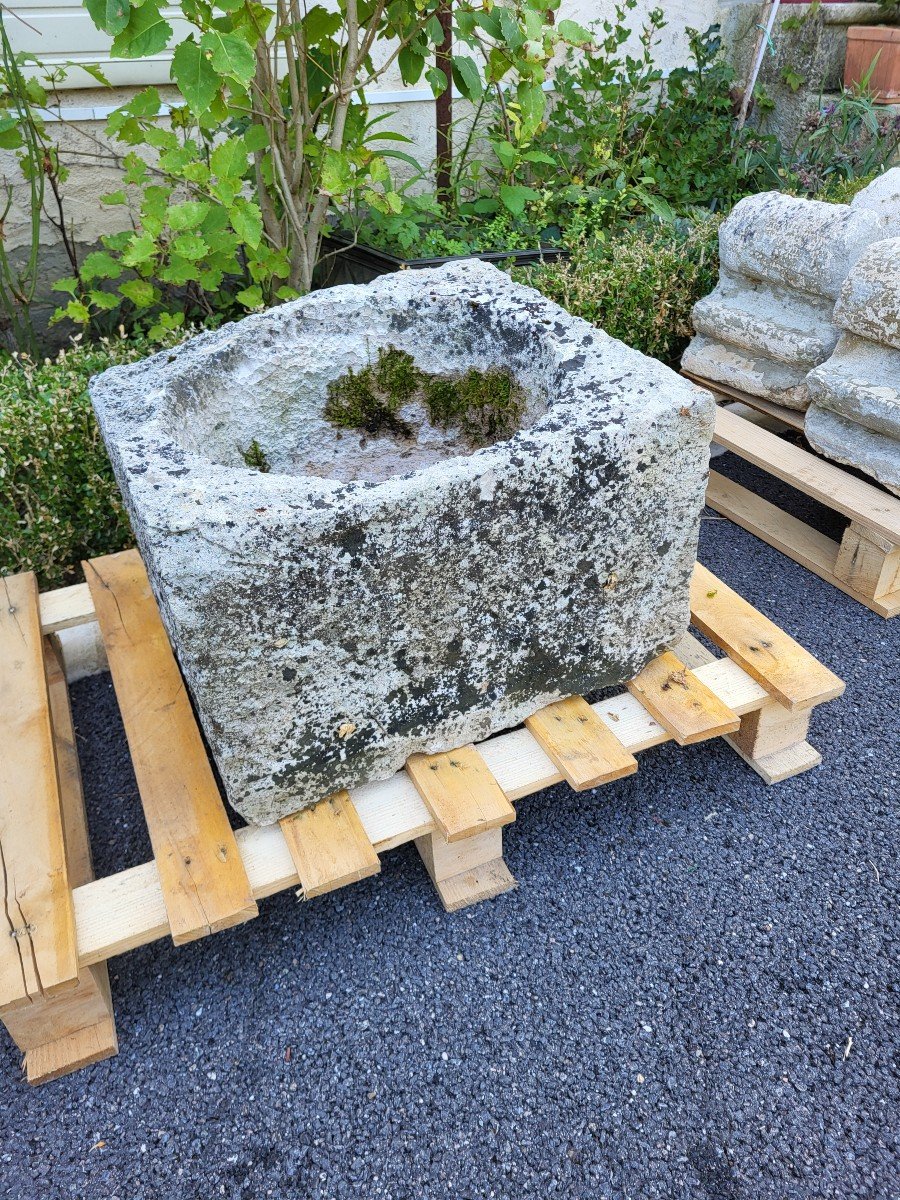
<point>366,594</point>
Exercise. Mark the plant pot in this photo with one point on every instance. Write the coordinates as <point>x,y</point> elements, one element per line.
<point>361,264</point>
<point>865,44</point>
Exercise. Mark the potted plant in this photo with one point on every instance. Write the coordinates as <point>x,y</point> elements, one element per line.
<point>873,55</point>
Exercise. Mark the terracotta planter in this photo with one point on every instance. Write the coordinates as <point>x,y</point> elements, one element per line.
<point>864,44</point>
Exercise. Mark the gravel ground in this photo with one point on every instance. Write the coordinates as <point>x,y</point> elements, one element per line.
<point>693,992</point>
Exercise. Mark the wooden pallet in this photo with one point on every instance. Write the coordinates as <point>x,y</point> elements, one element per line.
<point>866,562</point>
<point>64,924</point>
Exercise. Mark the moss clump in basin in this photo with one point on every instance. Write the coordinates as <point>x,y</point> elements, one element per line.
<point>485,406</point>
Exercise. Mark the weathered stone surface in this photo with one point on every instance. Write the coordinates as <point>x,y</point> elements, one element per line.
<point>367,599</point>
<point>882,197</point>
<point>861,381</point>
<point>771,316</point>
<point>847,442</point>
<point>855,417</point>
<point>869,303</point>
<point>806,245</point>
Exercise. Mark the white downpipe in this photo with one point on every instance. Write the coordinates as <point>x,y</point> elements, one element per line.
<point>764,40</point>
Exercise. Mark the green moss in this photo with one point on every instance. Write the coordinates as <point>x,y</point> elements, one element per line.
<point>483,405</point>
<point>370,399</point>
<point>396,375</point>
<point>254,457</point>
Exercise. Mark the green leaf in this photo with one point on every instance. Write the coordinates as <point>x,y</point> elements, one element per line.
<point>516,196</point>
<point>146,33</point>
<point>109,15</point>
<point>69,285</point>
<point>467,77</point>
<point>531,99</point>
<point>10,134</point>
<point>573,33</point>
<point>100,265</point>
<point>250,297</point>
<point>140,250</point>
<point>256,138</point>
<point>246,220</point>
<point>193,72</point>
<point>141,293</point>
<point>230,55</point>
<point>190,246</point>
<point>179,271</point>
<point>506,153</point>
<point>229,159</point>
<point>437,79</point>
<point>76,311</point>
<point>187,215</point>
<point>106,301</point>
<point>319,24</point>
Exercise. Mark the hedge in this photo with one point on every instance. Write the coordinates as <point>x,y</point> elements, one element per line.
<point>59,502</point>
<point>639,284</point>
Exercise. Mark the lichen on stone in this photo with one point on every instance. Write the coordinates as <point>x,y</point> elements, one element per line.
<point>484,406</point>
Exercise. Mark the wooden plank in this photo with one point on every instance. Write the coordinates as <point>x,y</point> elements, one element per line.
<point>682,704</point>
<point>126,910</point>
<point>329,845</point>
<point>66,607</point>
<point>788,672</point>
<point>791,536</point>
<point>38,952</point>
<point>581,745</point>
<point>822,480</point>
<point>782,764</point>
<point>788,416</point>
<point>460,792</point>
<point>75,1026</point>
<point>203,880</point>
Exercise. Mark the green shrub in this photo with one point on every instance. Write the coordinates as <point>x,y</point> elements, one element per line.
<point>59,502</point>
<point>639,284</point>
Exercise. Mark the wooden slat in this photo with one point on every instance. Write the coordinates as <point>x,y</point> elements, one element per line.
<point>66,607</point>
<point>329,845</point>
<point>682,704</point>
<point>788,672</point>
<point>201,874</point>
<point>460,792</point>
<point>822,480</point>
<point>38,952</point>
<point>580,744</point>
<point>791,536</point>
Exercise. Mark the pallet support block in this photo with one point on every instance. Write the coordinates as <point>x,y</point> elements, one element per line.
<point>772,740</point>
<point>468,870</point>
<point>868,563</point>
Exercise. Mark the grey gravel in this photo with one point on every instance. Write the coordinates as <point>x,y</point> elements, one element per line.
<point>693,992</point>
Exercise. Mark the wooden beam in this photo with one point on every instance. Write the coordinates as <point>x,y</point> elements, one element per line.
<point>460,792</point>
<point>793,537</point>
<point>203,881</point>
<point>681,702</point>
<point>74,1027</point>
<point>582,746</point>
<point>861,501</point>
<point>791,417</point>
<point>329,846</point>
<point>788,672</point>
<point>38,952</point>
